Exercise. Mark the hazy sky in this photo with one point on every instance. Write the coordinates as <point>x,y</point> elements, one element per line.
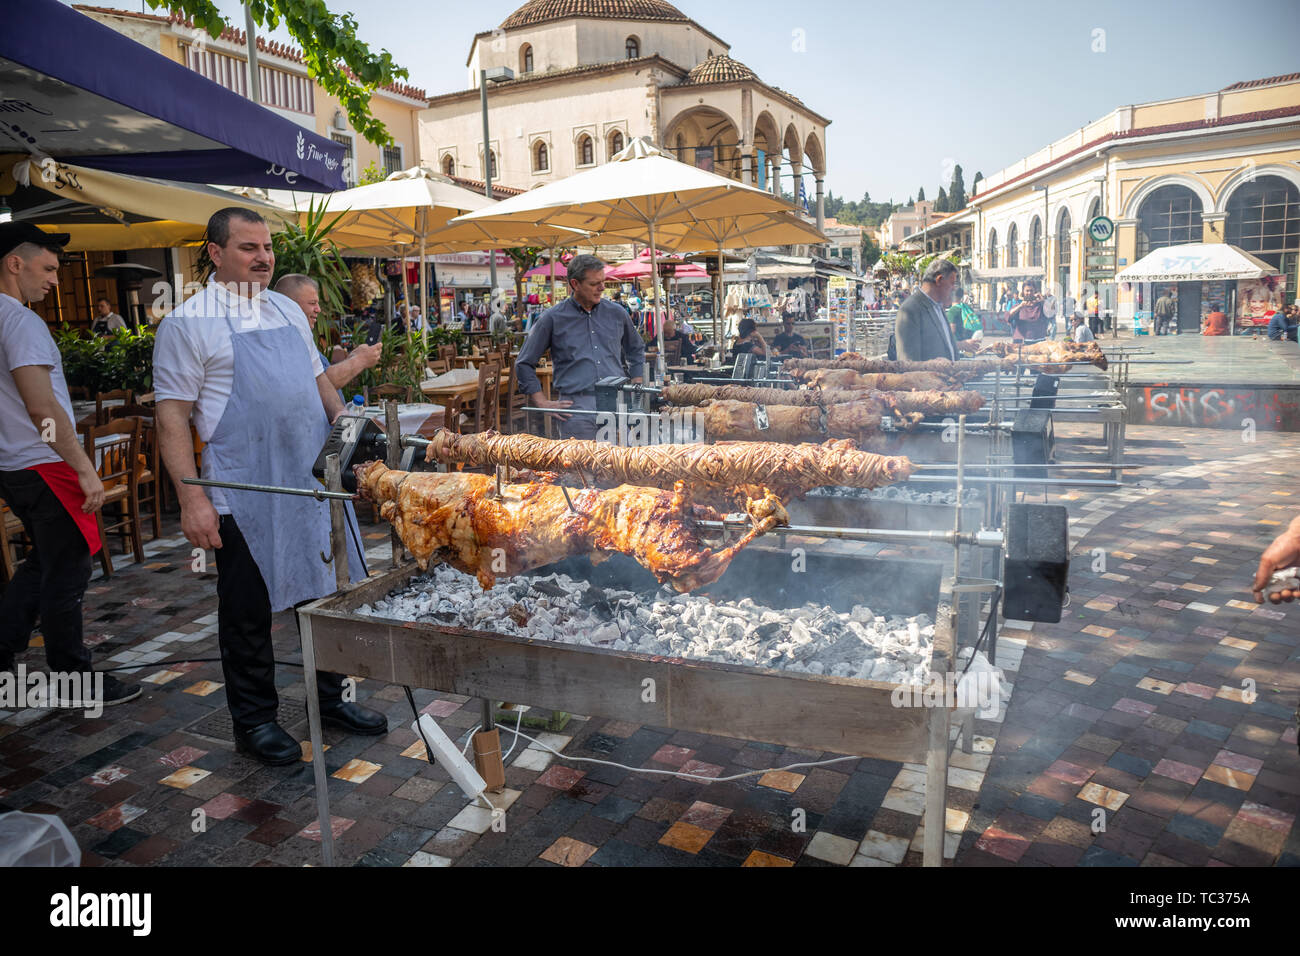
<point>909,86</point>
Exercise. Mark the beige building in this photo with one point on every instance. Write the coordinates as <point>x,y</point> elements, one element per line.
<point>845,246</point>
<point>590,75</point>
<point>903,223</point>
<point>285,87</point>
<point>1215,167</point>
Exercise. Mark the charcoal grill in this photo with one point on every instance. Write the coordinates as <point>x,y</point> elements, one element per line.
<point>840,715</point>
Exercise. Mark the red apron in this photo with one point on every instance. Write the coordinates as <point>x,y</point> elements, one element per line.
<point>63,482</point>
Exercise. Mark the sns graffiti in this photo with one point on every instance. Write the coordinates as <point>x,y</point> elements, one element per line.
<point>1218,406</point>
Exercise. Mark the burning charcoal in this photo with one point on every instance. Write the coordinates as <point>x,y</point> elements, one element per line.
<point>768,630</point>
<point>547,587</point>
<point>592,596</point>
<point>518,614</point>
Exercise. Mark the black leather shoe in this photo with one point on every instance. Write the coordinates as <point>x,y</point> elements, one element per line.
<point>353,718</point>
<point>269,743</point>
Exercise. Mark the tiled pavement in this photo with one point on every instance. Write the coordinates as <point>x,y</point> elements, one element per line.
<point>1129,712</point>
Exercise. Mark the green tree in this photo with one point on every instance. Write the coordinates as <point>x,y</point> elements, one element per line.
<point>956,192</point>
<point>343,65</point>
<point>524,258</point>
<point>371,174</point>
<point>975,183</point>
<point>941,203</point>
<point>920,194</point>
<point>899,263</point>
<point>871,251</point>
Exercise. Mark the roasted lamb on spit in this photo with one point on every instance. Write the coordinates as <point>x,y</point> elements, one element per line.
<point>789,423</point>
<point>883,381</point>
<point>898,403</point>
<point>789,470</point>
<point>457,517</point>
<point>1051,355</point>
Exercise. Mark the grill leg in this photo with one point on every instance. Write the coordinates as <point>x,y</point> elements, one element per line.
<point>317,744</point>
<point>936,783</point>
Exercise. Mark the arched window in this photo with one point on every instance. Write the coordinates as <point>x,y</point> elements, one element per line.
<point>1036,242</point>
<point>492,160</point>
<point>586,151</point>
<point>448,165</point>
<point>633,47</point>
<point>1264,219</point>
<point>541,158</point>
<point>526,58</point>
<point>993,249</point>
<point>1063,253</point>
<point>1013,253</point>
<point>1170,216</point>
<point>616,143</point>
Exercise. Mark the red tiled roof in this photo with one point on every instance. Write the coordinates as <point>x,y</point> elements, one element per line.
<point>544,11</point>
<point>1233,120</point>
<point>613,66</point>
<point>1266,81</point>
<point>240,38</point>
<point>478,186</point>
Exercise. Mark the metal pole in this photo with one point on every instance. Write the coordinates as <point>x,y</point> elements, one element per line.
<point>338,523</point>
<point>394,459</point>
<point>487,176</point>
<point>424,292</point>
<point>317,742</point>
<point>254,76</point>
<point>659,319</point>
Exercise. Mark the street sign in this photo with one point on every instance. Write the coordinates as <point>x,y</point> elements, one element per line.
<point>1101,229</point>
<point>1101,258</point>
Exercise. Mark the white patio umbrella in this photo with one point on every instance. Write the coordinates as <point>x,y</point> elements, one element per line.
<point>395,217</point>
<point>473,236</point>
<point>637,196</point>
<point>1196,262</point>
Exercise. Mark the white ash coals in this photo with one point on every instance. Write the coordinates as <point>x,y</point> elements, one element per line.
<point>812,639</point>
<point>899,493</point>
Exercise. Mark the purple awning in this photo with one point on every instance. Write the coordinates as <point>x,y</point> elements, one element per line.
<point>75,89</point>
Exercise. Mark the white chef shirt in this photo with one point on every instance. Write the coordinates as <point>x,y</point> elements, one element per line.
<point>194,361</point>
<point>25,340</point>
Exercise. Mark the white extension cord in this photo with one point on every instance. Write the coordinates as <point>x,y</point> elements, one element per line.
<point>663,773</point>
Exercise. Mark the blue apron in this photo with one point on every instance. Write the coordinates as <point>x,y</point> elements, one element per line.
<point>270,434</point>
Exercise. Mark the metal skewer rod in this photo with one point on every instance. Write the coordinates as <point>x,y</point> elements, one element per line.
<point>1024,480</point>
<point>987,539</point>
<point>320,494</point>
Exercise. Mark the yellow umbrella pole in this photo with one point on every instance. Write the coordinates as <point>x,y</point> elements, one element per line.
<point>552,267</point>
<point>659,319</point>
<point>717,304</point>
<point>424,290</point>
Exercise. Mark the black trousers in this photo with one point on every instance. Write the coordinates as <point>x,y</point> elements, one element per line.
<point>244,634</point>
<point>51,583</point>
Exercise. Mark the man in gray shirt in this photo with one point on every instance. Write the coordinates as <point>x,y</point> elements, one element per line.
<point>589,338</point>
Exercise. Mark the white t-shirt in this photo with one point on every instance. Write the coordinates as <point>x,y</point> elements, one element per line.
<point>25,340</point>
<point>194,361</point>
<point>1084,334</point>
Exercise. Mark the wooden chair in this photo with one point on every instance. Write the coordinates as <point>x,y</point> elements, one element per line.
<point>438,366</point>
<point>487,404</point>
<point>118,461</point>
<point>447,353</point>
<point>513,416</point>
<point>149,480</point>
<point>388,390</point>
<point>495,358</point>
<point>10,527</point>
<point>673,352</point>
<point>123,395</point>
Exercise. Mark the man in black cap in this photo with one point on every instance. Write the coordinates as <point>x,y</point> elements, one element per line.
<point>45,475</point>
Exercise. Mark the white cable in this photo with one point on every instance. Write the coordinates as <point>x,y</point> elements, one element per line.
<point>678,773</point>
<point>469,740</point>
<point>519,720</point>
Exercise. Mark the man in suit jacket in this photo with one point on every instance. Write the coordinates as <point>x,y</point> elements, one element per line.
<point>922,332</point>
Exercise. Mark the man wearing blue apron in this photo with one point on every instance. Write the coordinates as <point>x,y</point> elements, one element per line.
<point>240,361</point>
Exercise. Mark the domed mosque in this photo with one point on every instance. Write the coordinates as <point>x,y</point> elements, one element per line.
<point>587,76</point>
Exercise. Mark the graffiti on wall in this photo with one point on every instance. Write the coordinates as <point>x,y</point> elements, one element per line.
<point>1214,406</point>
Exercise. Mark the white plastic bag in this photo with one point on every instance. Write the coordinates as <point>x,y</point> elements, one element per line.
<point>36,839</point>
<point>979,690</point>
